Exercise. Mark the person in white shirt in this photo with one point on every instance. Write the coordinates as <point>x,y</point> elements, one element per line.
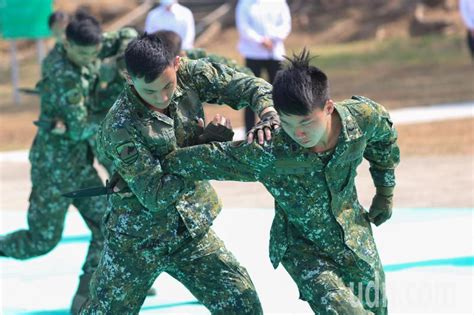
<point>263,25</point>
<point>467,12</point>
<point>172,16</point>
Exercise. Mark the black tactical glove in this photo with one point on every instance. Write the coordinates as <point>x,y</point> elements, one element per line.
<point>262,130</point>
<point>219,133</point>
<point>381,208</point>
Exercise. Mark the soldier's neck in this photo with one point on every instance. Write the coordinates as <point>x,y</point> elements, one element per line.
<point>332,137</point>
<point>148,105</point>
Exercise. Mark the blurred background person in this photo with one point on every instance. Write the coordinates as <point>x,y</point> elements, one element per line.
<point>467,12</point>
<point>263,25</point>
<point>172,16</point>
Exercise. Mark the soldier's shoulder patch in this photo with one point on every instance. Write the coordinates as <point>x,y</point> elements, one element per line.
<point>74,96</point>
<point>127,152</point>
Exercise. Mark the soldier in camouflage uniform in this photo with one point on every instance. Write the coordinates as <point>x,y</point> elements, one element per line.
<point>60,156</point>
<point>150,230</point>
<point>174,42</point>
<point>107,83</point>
<point>321,234</point>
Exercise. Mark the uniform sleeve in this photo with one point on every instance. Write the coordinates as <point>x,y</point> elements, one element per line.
<point>114,43</point>
<point>74,111</point>
<point>235,161</point>
<point>219,84</point>
<point>382,150</point>
<point>140,170</point>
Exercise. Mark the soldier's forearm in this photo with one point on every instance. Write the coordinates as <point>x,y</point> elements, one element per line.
<point>157,194</point>
<point>214,161</point>
<point>382,178</point>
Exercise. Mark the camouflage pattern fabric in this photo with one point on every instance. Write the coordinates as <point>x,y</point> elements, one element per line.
<point>60,163</point>
<point>110,85</point>
<point>63,162</point>
<point>110,82</point>
<point>199,53</point>
<point>315,198</point>
<point>209,271</point>
<point>163,211</point>
<point>53,55</point>
<point>330,287</point>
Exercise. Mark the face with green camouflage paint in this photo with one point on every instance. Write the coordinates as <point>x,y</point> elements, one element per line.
<point>159,92</point>
<point>310,130</point>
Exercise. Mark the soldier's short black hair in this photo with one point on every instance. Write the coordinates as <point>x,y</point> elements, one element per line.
<point>147,57</point>
<point>57,16</point>
<point>300,87</point>
<point>172,40</point>
<point>84,30</point>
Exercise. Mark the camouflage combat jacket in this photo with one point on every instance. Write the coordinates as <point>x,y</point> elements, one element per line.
<point>66,92</point>
<point>53,55</point>
<point>315,197</point>
<point>135,138</point>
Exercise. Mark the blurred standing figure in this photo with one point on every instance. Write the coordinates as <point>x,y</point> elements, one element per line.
<point>263,25</point>
<point>60,156</point>
<point>172,16</point>
<point>467,12</point>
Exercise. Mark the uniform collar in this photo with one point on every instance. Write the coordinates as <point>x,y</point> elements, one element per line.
<point>141,110</point>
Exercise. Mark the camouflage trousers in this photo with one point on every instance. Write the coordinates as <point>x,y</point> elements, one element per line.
<point>331,288</point>
<point>129,266</point>
<point>47,211</point>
